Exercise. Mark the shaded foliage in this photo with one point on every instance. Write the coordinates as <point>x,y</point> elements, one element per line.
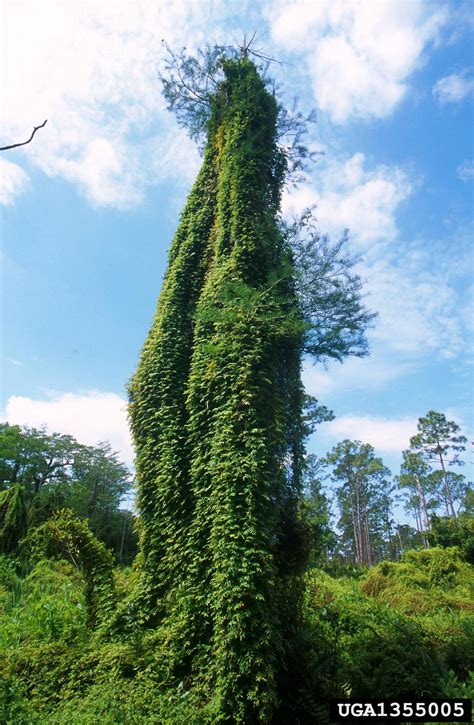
<point>448,532</point>
<point>13,517</point>
<point>41,473</point>
<point>67,537</point>
<point>316,513</point>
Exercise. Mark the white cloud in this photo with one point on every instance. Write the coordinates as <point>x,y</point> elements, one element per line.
<point>13,361</point>
<point>91,70</point>
<point>90,418</point>
<point>386,435</point>
<point>360,55</point>
<point>453,88</point>
<point>420,317</point>
<point>418,309</point>
<point>13,181</point>
<point>368,374</point>
<point>465,171</point>
<point>348,195</point>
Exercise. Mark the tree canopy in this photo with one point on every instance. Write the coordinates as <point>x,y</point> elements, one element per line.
<point>436,440</point>
<point>42,472</point>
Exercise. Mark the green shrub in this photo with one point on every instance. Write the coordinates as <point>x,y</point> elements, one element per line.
<point>423,581</point>
<point>442,566</point>
<point>14,705</point>
<point>46,606</point>
<point>448,532</point>
<point>376,649</point>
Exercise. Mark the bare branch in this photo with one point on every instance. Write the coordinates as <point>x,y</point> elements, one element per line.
<point>15,145</point>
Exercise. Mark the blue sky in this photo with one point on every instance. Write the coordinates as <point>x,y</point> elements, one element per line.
<point>88,209</point>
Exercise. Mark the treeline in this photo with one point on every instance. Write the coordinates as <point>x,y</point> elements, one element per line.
<point>438,499</point>
<point>41,473</point>
<point>348,505</point>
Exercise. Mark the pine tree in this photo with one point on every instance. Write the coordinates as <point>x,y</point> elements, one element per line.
<point>363,495</point>
<point>438,437</point>
<point>415,477</point>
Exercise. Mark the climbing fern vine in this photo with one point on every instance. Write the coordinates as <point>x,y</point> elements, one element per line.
<point>215,410</point>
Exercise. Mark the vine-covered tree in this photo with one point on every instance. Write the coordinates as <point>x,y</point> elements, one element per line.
<point>216,403</point>
<point>216,406</point>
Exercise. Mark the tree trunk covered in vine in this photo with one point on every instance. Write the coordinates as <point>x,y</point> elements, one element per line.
<point>215,408</point>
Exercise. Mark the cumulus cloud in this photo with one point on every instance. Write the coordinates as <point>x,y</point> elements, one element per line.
<point>388,436</point>
<point>91,417</point>
<point>453,88</point>
<point>13,181</point>
<point>91,70</point>
<point>420,317</point>
<point>418,305</point>
<point>368,374</point>
<point>418,309</point>
<point>348,195</point>
<point>385,434</point>
<point>465,171</point>
<point>359,59</point>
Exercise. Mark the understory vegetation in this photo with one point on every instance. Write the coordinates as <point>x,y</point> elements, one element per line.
<point>398,629</point>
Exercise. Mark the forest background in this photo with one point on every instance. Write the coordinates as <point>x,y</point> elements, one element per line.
<point>89,208</point>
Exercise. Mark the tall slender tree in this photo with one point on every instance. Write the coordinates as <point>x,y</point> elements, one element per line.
<point>438,440</point>
<point>415,478</point>
<point>362,486</point>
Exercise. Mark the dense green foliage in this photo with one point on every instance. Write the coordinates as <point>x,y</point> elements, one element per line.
<point>404,628</point>
<point>459,532</point>
<point>13,517</point>
<point>67,537</point>
<point>41,473</point>
<point>216,412</point>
